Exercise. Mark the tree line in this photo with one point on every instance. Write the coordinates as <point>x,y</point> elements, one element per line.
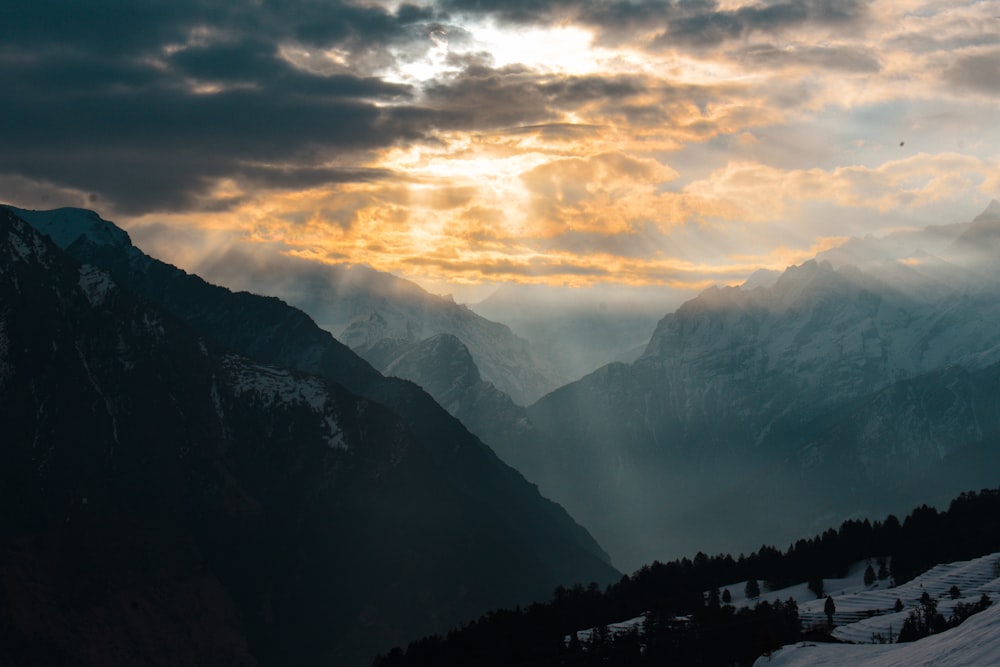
<point>684,626</point>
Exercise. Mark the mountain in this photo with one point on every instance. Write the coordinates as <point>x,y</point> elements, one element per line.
<point>172,498</point>
<point>760,412</point>
<point>362,307</point>
<point>869,582</point>
<point>444,368</point>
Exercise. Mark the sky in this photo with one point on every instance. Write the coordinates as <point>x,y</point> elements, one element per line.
<point>465,144</point>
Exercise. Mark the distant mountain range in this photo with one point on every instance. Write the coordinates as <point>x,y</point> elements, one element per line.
<point>196,476</point>
<point>859,382</point>
<point>363,307</point>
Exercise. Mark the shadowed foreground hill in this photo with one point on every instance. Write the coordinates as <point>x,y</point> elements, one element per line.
<point>172,501</point>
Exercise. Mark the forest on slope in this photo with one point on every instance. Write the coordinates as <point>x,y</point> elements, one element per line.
<point>683,625</point>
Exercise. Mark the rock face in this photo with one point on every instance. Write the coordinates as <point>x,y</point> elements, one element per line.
<point>180,490</point>
<point>735,414</point>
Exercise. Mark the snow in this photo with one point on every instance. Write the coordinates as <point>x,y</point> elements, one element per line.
<point>853,582</point>
<point>274,386</point>
<point>65,225</point>
<point>26,245</point>
<point>96,284</point>
<point>613,628</point>
<point>863,611</point>
<point>975,642</point>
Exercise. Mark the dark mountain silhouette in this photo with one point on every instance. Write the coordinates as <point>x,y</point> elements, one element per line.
<point>173,500</point>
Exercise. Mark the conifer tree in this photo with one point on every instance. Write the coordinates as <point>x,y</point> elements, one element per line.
<point>816,586</point>
<point>830,608</point>
<point>752,589</point>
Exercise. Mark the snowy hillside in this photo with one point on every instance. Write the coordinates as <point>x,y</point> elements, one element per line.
<point>865,611</point>
<point>975,642</point>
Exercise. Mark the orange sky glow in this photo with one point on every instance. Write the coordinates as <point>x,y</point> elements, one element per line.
<point>564,146</point>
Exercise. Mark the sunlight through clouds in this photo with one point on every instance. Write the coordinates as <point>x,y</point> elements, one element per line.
<point>454,141</point>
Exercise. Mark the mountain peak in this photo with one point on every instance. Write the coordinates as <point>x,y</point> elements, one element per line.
<point>992,212</point>
<point>65,226</point>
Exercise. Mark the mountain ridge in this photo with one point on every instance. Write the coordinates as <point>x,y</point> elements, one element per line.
<point>720,405</point>
<point>495,508</point>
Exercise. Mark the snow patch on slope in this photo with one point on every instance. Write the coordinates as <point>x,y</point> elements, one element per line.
<point>67,225</point>
<point>275,386</point>
<point>26,246</point>
<point>96,284</point>
<point>863,611</point>
<point>975,642</point>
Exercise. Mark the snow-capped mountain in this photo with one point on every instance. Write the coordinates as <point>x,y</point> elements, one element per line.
<point>175,487</point>
<point>738,406</point>
<point>362,307</point>
<point>443,366</point>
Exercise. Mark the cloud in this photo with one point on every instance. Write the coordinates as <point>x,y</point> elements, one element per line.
<point>756,192</point>
<point>149,104</point>
<point>854,58</point>
<point>699,23</point>
<point>977,71</point>
<point>711,27</point>
<point>544,141</point>
<point>608,193</point>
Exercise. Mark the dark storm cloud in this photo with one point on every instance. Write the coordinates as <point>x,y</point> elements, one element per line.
<point>518,99</point>
<point>711,28</point>
<point>698,23</point>
<point>120,27</point>
<point>485,97</point>
<point>161,148</point>
<point>146,103</point>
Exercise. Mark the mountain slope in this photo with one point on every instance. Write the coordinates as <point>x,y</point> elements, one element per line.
<point>269,330</point>
<point>443,367</point>
<point>975,642</point>
<point>362,307</point>
<point>319,524</point>
<point>728,406</point>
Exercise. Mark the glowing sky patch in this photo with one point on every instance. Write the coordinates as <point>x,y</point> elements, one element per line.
<point>462,143</point>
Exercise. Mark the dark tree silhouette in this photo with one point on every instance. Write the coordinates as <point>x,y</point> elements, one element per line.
<point>883,570</point>
<point>752,589</point>
<point>869,575</point>
<point>816,586</point>
<point>830,608</point>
